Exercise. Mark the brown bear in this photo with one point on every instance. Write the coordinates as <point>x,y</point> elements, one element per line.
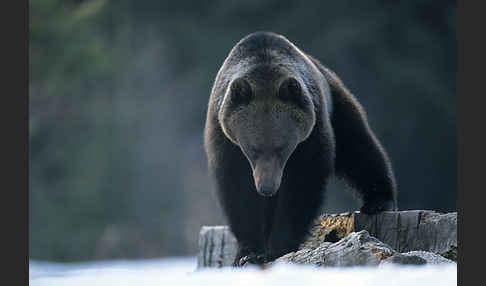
<point>278,125</point>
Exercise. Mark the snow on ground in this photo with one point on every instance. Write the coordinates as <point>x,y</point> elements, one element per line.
<point>181,272</point>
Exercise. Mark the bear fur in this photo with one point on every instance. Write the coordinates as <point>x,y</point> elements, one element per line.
<point>278,125</point>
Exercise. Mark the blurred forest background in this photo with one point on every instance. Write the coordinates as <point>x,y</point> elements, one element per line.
<point>118,93</point>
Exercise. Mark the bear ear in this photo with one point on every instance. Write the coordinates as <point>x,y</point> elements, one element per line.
<point>240,91</point>
<point>291,90</point>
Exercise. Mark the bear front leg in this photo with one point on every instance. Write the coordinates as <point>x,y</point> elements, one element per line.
<point>360,158</point>
<point>255,250</point>
<point>299,206</point>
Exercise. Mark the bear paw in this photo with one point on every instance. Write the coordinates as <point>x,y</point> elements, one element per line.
<point>251,258</point>
<point>375,206</point>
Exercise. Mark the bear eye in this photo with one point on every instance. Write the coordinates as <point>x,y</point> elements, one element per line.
<point>241,91</point>
<point>290,89</point>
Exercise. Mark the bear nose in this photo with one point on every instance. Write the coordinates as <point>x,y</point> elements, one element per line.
<point>266,191</point>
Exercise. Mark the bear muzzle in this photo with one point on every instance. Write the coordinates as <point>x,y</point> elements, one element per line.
<point>267,175</point>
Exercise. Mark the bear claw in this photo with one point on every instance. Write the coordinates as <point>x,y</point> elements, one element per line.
<point>252,258</point>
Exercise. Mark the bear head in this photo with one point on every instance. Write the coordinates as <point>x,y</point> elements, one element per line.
<point>267,112</point>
